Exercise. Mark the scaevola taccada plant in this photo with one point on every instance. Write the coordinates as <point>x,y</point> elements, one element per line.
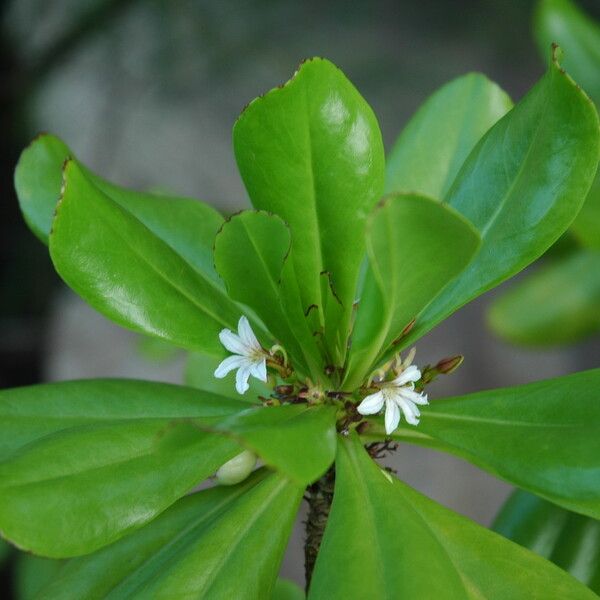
<point>301,315</point>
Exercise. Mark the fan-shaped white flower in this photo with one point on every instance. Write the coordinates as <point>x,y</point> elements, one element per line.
<point>249,357</point>
<point>397,395</point>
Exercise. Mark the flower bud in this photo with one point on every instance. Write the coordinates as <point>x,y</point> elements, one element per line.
<point>236,469</point>
<point>449,365</point>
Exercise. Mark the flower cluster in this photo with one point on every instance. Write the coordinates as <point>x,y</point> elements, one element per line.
<point>397,395</point>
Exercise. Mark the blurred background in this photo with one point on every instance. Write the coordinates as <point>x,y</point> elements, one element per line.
<point>146,93</point>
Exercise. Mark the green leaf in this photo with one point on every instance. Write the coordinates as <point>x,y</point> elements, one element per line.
<point>562,22</point>
<point>218,543</point>
<point>82,463</point>
<point>311,152</point>
<point>32,573</point>
<point>586,226</point>
<point>38,179</point>
<point>385,540</point>
<point>558,304</point>
<point>543,437</point>
<point>408,241</point>
<point>199,373</point>
<point>4,551</point>
<point>187,226</point>
<point>115,263</point>
<point>297,440</point>
<point>436,141</point>
<point>250,251</point>
<point>521,187</point>
<point>287,590</point>
<point>569,540</point>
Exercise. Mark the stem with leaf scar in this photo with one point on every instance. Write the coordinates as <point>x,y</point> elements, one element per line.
<point>319,496</point>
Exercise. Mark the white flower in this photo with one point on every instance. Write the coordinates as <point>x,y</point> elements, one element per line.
<point>249,357</point>
<point>397,395</point>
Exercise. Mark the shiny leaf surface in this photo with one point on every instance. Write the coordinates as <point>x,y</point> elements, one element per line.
<point>436,141</point>
<point>385,540</point>
<point>558,304</point>
<point>543,437</point>
<point>83,462</point>
<point>408,238</point>
<point>218,543</point>
<point>115,263</point>
<point>561,21</point>
<point>310,151</point>
<point>250,251</point>
<point>188,226</point>
<point>521,187</point>
<point>297,440</point>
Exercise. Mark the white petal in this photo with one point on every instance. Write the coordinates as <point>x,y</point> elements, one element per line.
<point>229,364</point>
<point>414,408</point>
<point>371,404</point>
<point>411,412</point>
<point>392,416</point>
<point>413,396</point>
<point>410,374</point>
<point>241,379</point>
<point>246,334</point>
<point>233,342</point>
<point>409,357</point>
<point>259,369</point>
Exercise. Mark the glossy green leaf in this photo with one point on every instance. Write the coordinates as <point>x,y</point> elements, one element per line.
<point>187,226</point>
<point>436,141</point>
<point>569,540</point>
<point>38,180</point>
<point>586,226</point>
<point>32,573</point>
<point>558,304</point>
<point>385,540</point>
<point>115,263</point>
<point>562,22</point>
<point>543,437</point>
<point>521,187</point>
<point>311,152</point>
<point>297,440</point>
<point>218,543</point>
<point>83,462</point>
<point>408,242</point>
<point>199,373</point>
<point>287,590</point>
<point>250,251</point>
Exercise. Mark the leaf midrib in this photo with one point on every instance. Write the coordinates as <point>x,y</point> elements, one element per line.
<point>509,423</point>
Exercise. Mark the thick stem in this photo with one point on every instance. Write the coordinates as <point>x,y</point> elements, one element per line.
<point>319,497</point>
